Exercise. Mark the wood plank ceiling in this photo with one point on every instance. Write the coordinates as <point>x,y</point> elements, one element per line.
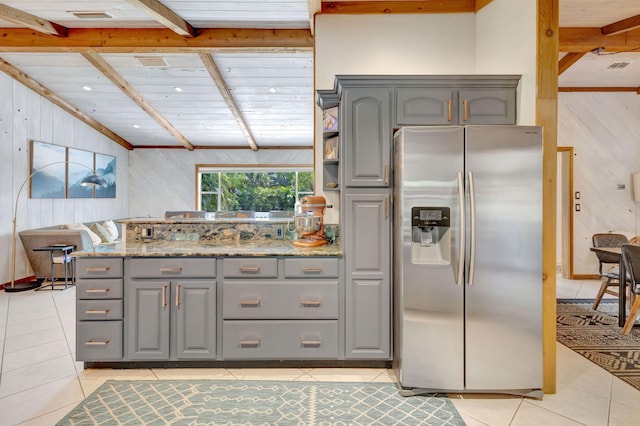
<point>238,74</point>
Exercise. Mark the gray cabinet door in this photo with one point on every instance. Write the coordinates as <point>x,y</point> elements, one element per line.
<point>194,304</point>
<point>425,106</point>
<point>148,315</point>
<point>487,106</point>
<point>366,136</point>
<point>368,269</point>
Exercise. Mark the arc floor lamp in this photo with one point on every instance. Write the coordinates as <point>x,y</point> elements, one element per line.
<point>91,180</point>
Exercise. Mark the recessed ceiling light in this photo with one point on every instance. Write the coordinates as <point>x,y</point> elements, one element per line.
<point>136,126</point>
<point>272,89</point>
<point>178,89</point>
<point>87,88</point>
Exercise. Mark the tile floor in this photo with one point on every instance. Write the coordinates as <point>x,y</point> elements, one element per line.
<point>40,381</point>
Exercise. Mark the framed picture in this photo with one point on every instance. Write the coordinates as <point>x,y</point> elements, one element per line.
<point>331,149</point>
<point>106,167</point>
<point>48,164</point>
<point>80,166</point>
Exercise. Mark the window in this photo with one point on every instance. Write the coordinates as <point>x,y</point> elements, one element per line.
<point>253,189</point>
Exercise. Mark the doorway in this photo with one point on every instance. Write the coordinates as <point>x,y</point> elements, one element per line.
<point>564,212</point>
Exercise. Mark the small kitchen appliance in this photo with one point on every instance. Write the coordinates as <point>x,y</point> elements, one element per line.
<point>308,221</point>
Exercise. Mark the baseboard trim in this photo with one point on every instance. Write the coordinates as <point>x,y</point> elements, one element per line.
<point>585,277</point>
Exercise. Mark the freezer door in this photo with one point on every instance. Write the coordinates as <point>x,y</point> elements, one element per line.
<point>429,332</point>
<point>504,288</point>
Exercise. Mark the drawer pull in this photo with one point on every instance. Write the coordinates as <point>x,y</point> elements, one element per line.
<point>249,269</point>
<point>311,342</point>
<point>97,343</point>
<point>98,290</point>
<point>98,269</point>
<point>255,302</point>
<point>312,303</point>
<point>171,270</point>
<point>97,311</point>
<point>312,270</point>
<point>249,343</point>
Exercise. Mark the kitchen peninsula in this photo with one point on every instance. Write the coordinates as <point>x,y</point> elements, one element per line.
<point>200,290</point>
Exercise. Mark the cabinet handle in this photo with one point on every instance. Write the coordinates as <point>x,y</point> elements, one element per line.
<point>313,303</point>
<point>96,311</point>
<point>178,295</point>
<point>386,206</point>
<point>255,302</point>
<point>311,342</point>
<point>97,342</point>
<point>465,113</point>
<point>312,270</point>
<point>249,269</point>
<point>178,269</point>
<point>164,295</point>
<point>386,174</point>
<point>97,269</point>
<point>252,343</point>
<point>449,110</point>
<point>97,290</point>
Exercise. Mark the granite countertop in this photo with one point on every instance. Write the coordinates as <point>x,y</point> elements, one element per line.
<point>207,249</point>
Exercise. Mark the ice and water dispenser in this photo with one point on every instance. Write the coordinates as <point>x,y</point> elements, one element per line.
<point>430,235</point>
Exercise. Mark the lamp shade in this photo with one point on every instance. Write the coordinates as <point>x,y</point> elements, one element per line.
<point>94,180</point>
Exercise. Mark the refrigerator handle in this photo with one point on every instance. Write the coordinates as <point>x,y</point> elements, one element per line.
<point>463,229</point>
<point>472,230</point>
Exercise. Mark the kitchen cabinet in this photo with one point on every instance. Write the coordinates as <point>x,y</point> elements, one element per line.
<point>451,106</point>
<point>99,309</point>
<point>171,308</point>
<point>275,308</point>
<point>365,134</point>
<point>367,257</point>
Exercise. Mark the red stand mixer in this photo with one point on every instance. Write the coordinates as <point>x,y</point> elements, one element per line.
<point>309,222</point>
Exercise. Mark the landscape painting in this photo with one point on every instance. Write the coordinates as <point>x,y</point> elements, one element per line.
<point>80,166</point>
<point>106,167</point>
<point>49,170</point>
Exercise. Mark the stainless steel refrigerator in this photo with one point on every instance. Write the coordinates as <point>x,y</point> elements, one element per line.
<point>467,258</point>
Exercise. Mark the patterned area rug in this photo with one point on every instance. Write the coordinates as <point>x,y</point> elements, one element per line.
<point>213,402</point>
<point>596,336</point>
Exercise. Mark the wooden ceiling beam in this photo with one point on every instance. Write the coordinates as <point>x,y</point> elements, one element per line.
<point>28,20</point>
<point>621,26</point>
<point>158,40</point>
<point>165,16</point>
<point>482,3</point>
<point>313,6</point>
<point>211,66</point>
<point>370,7</point>
<point>43,91</point>
<point>105,68</point>
<point>568,60</point>
<point>577,39</point>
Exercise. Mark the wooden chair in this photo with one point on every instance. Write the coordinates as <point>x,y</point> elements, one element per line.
<point>608,264</point>
<point>631,259</point>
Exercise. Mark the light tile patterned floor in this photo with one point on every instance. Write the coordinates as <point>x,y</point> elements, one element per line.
<point>40,381</point>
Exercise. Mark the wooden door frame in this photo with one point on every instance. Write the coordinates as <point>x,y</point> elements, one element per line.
<point>567,201</point>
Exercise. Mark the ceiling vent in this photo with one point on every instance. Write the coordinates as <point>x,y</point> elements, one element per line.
<point>91,15</point>
<point>152,61</point>
<point>618,65</point>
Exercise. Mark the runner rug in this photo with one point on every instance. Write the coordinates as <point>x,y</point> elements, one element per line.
<point>214,402</point>
<point>596,336</point>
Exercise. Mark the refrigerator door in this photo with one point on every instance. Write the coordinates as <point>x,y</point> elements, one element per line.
<point>429,303</point>
<point>504,288</point>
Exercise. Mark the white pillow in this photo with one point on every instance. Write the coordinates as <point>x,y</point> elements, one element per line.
<point>95,238</point>
<point>110,226</point>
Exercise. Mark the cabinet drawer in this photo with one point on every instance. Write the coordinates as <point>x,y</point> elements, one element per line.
<point>280,339</point>
<point>99,310</point>
<point>170,267</point>
<point>99,341</point>
<point>99,289</point>
<point>101,267</point>
<point>295,299</point>
<point>243,267</point>
<point>311,268</point>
